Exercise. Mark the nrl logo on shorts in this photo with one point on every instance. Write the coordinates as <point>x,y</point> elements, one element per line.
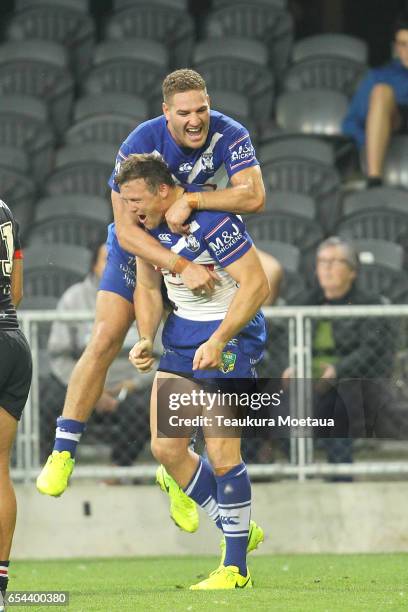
<point>192,243</point>
<point>228,362</point>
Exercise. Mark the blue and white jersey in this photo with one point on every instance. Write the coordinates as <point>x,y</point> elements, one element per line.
<point>216,240</point>
<point>228,146</point>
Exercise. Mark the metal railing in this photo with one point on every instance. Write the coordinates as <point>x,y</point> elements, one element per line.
<point>301,458</point>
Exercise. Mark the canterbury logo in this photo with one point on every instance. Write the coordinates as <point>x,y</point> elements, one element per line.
<point>228,520</point>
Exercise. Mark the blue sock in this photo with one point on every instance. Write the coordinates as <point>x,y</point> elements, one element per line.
<point>67,435</point>
<point>203,489</point>
<point>234,502</point>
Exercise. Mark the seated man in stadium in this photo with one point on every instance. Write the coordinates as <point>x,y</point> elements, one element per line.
<point>15,379</point>
<point>221,336</point>
<point>123,426</point>
<point>346,348</point>
<point>380,106</point>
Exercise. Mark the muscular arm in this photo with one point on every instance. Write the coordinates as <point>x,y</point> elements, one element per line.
<point>17,282</point>
<point>135,240</point>
<point>148,310</point>
<point>246,196</point>
<point>253,290</point>
<point>148,300</point>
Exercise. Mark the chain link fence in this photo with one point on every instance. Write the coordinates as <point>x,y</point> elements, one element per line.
<point>367,346</point>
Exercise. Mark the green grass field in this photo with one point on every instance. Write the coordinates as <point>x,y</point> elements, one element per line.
<point>284,583</point>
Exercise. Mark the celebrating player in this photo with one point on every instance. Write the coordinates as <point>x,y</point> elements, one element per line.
<point>202,332</point>
<point>15,378</point>
<point>195,143</point>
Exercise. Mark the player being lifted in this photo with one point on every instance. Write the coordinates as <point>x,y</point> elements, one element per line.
<point>195,337</point>
<point>196,143</point>
<point>15,377</point>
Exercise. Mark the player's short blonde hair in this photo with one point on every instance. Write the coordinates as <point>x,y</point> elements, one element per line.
<point>182,80</point>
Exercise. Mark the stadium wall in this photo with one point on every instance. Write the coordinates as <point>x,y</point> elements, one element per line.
<point>94,520</point>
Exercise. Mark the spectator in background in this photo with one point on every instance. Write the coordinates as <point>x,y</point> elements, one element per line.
<point>346,348</point>
<point>380,106</point>
<point>123,406</point>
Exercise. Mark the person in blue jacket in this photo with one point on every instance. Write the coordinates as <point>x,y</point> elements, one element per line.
<point>380,106</point>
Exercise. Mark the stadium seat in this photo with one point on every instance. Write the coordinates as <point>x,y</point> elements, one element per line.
<point>317,180</point>
<point>289,256</point>
<point>325,72</point>
<point>167,24</point>
<point>49,269</point>
<point>57,21</point>
<point>135,67</point>
<point>234,105</point>
<point>396,162</point>
<point>284,227</point>
<point>177,4</point>
<point>376,213</point>
<point>278,4</point>
<point>38,68</point>
<point>83,168</point>
<point>70,219</point>
<point>338,45</point>
<point>262,22</point>
<point>24,124</point>
<point>78,5</point>
<point>315,111</point>
<point>18,190</point>
<point>114,103</point>
<point>102,128</point>
<point>381,270</point>
<point>306,147</point>
<point>297,204</point>
<point>237,65</point>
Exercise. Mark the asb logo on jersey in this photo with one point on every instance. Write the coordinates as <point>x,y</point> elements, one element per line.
<point>243,152</point>
<point>192,243</point>
<point>226,240</point>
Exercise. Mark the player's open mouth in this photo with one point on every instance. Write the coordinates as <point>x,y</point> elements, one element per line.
<point>142,218</point>
<point>195,134</point>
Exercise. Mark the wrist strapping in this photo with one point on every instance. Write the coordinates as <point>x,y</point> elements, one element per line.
<point>195,200</point>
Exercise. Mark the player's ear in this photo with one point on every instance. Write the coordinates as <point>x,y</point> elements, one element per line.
<point>166,110</point>
<point>164,190</point>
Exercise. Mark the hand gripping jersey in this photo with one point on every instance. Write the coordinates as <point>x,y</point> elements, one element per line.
<point>228,149</point>
<point>215,240</point>
<point>10,249</point>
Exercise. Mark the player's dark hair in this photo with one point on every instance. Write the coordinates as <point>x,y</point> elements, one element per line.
<point>149,166</point>
<point>401,23</point>
<point>182,80</point>
<point>350,252</point>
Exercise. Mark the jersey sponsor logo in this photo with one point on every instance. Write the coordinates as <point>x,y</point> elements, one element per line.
<point>192,243</point>
<point>185,167</point>
<point>207,162</point>
<point>245,151</point>
<point>233,342</point>
<point>165,238</point>
<point>226,240</point>
<point>228,362</point>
